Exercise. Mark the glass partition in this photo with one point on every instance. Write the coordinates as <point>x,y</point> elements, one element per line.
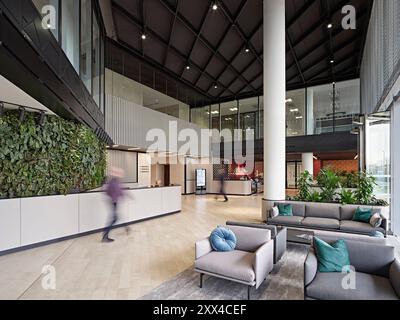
<point>377,153</point>
<point>70,31</point>
<point>201,117</point>
<point>96,61</point>
<point>229,116</point>
<point>347,104</point>
<point>215,123</point>
<point>249,116</point>
<point>53,25</point>
<point>86,43</point>
<point>295,113</point>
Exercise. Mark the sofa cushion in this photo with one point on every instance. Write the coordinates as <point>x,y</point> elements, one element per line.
<point>358,227</point>
<point>234,264</point>
<point>323,223</point>
<point>298,209</point>
<point>328,286</point>
<point>332,257</point>
<point>347,211</point>
<point>363,214</point>
<point>280,220</point>
<point>285,209</point>
<point>323,210</point>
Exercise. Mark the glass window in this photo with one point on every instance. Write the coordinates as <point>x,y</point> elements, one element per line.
<point>201,117</point>
<point>248,117</point>
<point>261,116</point>
<point>295,113</point>
<point>229,116</point>
<point>43,11</point>
<point>102,76</point>
<point>96,61</point>
<point>377,153</point>
<point>347,104</point>
<point>320,109</point>
<point>215,117</point>
<point>70,32</point>
<point>86,43</point>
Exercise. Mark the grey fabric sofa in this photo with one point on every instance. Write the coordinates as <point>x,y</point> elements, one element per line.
<point>278,235</point>
<point>377,275</point>
<point>248,264</point>
<point>328,216</point>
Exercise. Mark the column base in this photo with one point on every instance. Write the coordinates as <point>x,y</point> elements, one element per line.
<point>267,205</point>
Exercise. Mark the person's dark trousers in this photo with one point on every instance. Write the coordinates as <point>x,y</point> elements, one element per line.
<point>222,193</point>
<point>113,221</point>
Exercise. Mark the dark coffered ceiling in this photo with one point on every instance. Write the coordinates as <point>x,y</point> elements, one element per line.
<point>219,52</point>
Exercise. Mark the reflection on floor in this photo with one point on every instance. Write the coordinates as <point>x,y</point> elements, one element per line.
<point>153,252</point>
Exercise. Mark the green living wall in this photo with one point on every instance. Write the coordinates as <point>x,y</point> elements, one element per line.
<point>57,157</point>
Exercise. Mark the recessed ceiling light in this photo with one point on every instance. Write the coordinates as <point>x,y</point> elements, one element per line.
<point>187,67</point>
<point>215,86</point>
<point>333,83</point>
<point>49,25</point>
<point>247,50</point>
<point>294,110</point>
<point>299,117</point>
<point>215,6</point>
<point>234,109</point>
<point>329,26</point>
<point>289,100</point>
<point>144,37</point>
<point>332,61</point>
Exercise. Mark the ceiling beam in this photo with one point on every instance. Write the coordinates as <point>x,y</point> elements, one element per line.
<point>171,31</point>
<point>203,22</point>
<point>289,42</point>
<point>239,52</point>
<point>189,26</point>
<point>242,6</point>
<point>154,35</point>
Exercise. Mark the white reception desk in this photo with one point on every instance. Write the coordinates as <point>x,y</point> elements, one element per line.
<point>29,221</point>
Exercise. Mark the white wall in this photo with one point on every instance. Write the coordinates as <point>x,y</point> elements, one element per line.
<point>122,87</point>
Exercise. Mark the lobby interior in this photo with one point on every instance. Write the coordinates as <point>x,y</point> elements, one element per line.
<point>276,104</point>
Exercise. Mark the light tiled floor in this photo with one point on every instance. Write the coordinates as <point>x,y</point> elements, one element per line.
<point>152,253</point>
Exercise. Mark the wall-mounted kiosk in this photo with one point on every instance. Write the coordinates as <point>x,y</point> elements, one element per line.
<point>201,181</point>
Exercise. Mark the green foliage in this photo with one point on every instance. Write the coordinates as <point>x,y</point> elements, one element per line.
<point>304,184</point>
<point>315,197</point>
<point>56,158</point>
<point>347,197</point>
<point>365,191</point>
<point>379,202</point>
<point>329,182</point>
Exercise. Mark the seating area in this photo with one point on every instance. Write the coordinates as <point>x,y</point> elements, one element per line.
<point>376,276</point>
<point>329,217</point>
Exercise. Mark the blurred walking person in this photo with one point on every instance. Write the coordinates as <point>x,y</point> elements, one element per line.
<point>222,192</point>
<point>115,193</point>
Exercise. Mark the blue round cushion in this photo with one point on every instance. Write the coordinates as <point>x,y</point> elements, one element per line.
<point>223,239</point>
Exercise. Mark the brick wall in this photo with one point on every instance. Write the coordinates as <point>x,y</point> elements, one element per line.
<point>341,165</point>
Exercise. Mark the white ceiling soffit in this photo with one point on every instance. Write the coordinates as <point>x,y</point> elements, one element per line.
<point>10,93</point>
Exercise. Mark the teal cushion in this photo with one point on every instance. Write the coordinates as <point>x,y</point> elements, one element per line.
<point>362,215</point>
<point>223,239</point>
<point>285,210</point>
<point>332,257</point>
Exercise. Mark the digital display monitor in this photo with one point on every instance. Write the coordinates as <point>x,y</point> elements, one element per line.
<point>200,178</point>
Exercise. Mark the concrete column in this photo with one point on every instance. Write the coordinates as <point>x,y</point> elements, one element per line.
<point>274,103</point>
<point>307,160</point>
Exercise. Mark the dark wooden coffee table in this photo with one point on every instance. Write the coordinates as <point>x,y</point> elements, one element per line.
<point>300,236</point>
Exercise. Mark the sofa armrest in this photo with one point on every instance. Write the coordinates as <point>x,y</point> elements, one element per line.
<point>202,248</point>
<point>310,268</point>
<point>273,229</point>
<point>263,262</point>
<point>280,243</point>
<point>384,224</point>
<point>394,276</point>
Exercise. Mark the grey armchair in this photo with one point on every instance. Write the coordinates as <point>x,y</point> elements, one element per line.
<point>377,275</point>
<point>278,235</point>
<point>248,264</point>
